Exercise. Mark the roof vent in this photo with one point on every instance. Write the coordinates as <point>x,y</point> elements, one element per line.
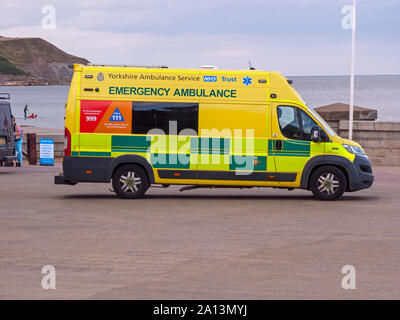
<point>206,66</point>
<point>126,66</point>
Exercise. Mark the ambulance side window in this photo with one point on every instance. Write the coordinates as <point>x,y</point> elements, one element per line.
<point>158,115</point>
<point>289,123</point>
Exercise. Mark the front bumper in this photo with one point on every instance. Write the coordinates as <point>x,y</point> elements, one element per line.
<point>362,176</point>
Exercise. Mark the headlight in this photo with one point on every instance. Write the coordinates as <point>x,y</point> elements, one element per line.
<point>353,149</point>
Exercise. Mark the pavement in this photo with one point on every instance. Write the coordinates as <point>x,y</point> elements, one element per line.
<point>199,244</point>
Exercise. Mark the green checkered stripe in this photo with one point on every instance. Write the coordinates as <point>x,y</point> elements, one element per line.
<point>130,144</point>
<point>90,154</point>
<point>209,145</point>
<point>142,145</point>
<point>290,148</point>
<point>164,160</point>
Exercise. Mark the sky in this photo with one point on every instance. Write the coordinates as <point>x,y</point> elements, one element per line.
<point>295,37</point>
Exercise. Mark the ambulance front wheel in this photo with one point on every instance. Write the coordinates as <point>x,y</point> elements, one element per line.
<point>328,183</point>
<point>130,181</point>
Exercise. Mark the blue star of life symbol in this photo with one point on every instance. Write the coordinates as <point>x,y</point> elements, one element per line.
<point>247,80</point>
<point>116,116</point>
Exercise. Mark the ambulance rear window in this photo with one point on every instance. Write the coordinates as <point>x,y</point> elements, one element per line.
<point>158,115</point>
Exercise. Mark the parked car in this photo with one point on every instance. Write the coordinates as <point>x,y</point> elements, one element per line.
<point>7,149</point>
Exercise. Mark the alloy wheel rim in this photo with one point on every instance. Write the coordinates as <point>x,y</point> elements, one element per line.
<point>328,183</point>
<point>130,182</point>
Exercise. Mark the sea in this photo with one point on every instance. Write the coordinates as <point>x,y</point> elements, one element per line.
<point>377,92</point>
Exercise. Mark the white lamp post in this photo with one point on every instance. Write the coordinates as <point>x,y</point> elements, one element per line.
<point>353,43</point>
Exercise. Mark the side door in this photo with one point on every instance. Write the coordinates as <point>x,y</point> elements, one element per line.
<point>291,143</point>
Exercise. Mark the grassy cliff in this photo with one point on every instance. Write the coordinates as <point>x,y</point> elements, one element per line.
<point>30,61</point>
<point>6,67</point>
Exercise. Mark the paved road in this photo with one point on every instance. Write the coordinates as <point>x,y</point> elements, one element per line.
<point>247,244</point>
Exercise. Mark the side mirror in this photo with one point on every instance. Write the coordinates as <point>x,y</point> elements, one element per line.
<point>316,134</point>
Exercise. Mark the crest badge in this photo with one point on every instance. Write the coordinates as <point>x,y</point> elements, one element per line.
<point>100,76</point>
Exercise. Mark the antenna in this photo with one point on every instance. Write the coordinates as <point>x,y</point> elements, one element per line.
<point>251,68</point>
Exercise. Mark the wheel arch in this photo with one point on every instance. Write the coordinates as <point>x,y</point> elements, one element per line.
<point>316,162</point>
<point>131,159</point>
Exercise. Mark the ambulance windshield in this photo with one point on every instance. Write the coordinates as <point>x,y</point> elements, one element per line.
<point>326,126</point>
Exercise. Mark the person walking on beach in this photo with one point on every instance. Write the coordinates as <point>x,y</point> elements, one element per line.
<point>18,134</point>
<point>26,110</point>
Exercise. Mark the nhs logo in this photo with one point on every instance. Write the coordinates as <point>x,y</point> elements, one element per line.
<point>210,78</point>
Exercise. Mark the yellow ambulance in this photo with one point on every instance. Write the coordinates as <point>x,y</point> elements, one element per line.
<point>203,128</point>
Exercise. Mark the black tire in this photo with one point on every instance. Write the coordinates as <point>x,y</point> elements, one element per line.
<point>328,183</point>
<point>125,181</point>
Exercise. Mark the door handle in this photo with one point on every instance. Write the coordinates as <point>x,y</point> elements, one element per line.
<point>278,145</point>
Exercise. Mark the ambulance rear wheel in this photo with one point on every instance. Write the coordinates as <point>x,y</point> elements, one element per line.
<point>328,183</point>
<point>130,181</point>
